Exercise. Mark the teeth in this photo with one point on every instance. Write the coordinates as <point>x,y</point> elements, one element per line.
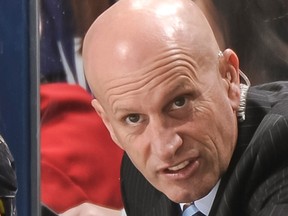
<point>179,166</point>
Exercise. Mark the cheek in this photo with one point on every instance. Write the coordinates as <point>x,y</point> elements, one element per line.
<point>224,144</point>
<point>222,129</point>
<point>214,137</point>
<point>137,147</point>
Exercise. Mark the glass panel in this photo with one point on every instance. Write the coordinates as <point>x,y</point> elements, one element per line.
<point>64,97</point>
<point>19,119</point>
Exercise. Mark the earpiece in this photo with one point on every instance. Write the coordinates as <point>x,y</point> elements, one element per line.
<point>243,90</point>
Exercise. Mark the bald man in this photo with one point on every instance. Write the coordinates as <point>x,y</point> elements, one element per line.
<point>172,100</point>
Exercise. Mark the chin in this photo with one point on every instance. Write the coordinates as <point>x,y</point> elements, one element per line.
<point>188,194</point>
<point>180,196</point>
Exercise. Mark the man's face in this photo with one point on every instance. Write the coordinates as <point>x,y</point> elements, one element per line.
<point>175,120</point>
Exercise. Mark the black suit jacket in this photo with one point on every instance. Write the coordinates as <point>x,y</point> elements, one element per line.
<point>256,182</point>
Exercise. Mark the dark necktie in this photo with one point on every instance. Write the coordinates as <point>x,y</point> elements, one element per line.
<point>191,210</point>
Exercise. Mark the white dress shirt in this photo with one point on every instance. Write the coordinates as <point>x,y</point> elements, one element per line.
<point>204,204</point>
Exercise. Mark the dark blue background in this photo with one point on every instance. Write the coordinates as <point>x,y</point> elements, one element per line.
<point>18,97</point>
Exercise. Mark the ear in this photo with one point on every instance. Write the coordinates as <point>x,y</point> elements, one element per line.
<point>229,69</point>
<point>101,112</point>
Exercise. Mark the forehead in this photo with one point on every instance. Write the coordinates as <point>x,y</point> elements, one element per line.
<point>119,49</point>
<point>160,66</point>
<point>172,69</point>
<point>130,51</point>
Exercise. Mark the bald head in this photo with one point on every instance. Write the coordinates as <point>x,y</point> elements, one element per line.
<point>128,35</point>
<point>161,90</point>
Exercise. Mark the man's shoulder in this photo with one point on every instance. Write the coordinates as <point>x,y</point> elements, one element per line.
<point>268,99</point>
<point>272,86</point>
<point>273,92</point>
<point>265,130</point>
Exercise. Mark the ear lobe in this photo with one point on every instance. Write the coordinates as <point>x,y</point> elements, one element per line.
<point>101,112</point>
<point>234,95</point>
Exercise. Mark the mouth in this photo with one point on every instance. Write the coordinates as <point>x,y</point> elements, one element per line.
<point>178,166</point>
<point>183,170</point>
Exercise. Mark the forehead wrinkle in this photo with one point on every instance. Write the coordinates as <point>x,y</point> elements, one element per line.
<point>167,59</point>
<point>182,66</point>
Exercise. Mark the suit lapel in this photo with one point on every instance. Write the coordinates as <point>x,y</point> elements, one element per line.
<point>263,139</point>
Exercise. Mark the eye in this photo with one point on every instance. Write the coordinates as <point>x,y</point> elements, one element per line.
<point>178,103</point>
<point>133,119</point>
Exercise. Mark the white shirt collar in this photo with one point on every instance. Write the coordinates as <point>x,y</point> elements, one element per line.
<point>204,204</point>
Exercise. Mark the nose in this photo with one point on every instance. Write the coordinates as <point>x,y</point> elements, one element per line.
<point>164,139</point>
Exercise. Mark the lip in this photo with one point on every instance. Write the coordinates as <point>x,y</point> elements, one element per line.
<point>182,170</point>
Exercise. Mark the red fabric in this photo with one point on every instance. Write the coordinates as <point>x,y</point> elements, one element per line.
<point>79,161</point>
